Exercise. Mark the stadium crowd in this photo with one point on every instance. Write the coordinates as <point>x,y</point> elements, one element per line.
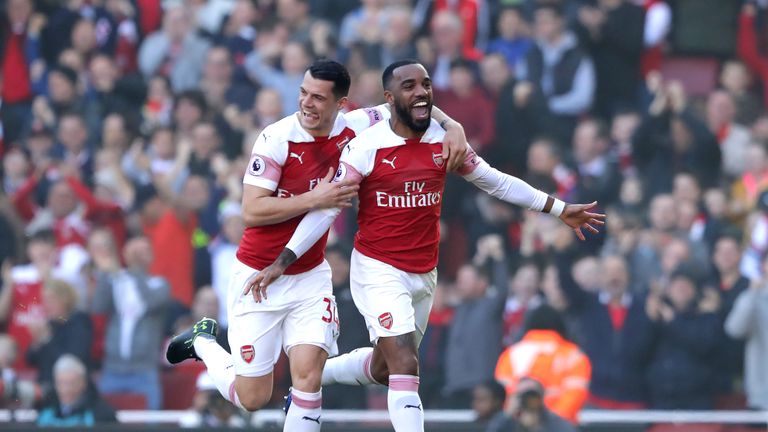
<point>126,127</point>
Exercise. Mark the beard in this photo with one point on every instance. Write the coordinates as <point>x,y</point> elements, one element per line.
<point>404,113</point>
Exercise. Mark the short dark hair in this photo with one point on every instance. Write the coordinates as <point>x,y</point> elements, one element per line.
<point>43,235</point>
<point>386,76</point>
<point>550,5</point>
<point>546,317</point>
<point>329,70</point>
<point>195,97</point>
<point>497,390</point>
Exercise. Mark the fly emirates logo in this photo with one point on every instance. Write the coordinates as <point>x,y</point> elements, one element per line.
<point>413,196</point>
<point>283,193</point>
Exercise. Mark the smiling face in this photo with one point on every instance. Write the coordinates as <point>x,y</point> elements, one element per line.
<point>318,106</point>
<point>410,92</point>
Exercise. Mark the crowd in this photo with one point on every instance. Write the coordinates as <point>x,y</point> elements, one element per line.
<point>126,127</point>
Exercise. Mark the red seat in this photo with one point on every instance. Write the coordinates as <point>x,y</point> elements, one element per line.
<point>686,427</point>
<point>180,386</point>
<point>698,75</point>
<point>126,401</point>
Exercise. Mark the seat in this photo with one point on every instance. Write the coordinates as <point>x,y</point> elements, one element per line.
<point>179,386</point>
<point>698,74</point>
<point>126,401</point>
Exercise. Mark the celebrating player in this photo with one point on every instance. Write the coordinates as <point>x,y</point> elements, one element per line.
<point>400,170</point>
<point>289,174</point>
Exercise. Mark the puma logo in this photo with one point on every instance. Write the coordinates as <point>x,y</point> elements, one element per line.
<point>389,162</point>
<point>316,420</point>
<point>297,156</point>
<point>418,407</point>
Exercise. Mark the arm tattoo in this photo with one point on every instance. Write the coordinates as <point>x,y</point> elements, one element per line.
<point>286,258</point>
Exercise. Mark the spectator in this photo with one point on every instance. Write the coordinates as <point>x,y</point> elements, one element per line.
<point>733,138</point>
<point>672,139</point>
<point>488,404</point>
<point>447,34</point>
<point>433,348</point>
<point>754,180</point>
<point>295,15</point>
<point>528,412</point>
<point>748,321</point>
<point>294,60</point>
<point>495,74</point>
<point>135,304</point>
<point>612,31</point>
<point>363,24</point>
<point>63,330</point>
<point>616,334</point>
<point>466,103</point>
<point>657,25</point>
<point>20,52</point>
<point>21,296</point>
<point>545,163</point>
<point>16,391</point>
<point>238,33</point>
<point>737,81</point>
<point>223,250</point>
<point>558,364</point>
<point>599,175</point>
<point>514,36</point>
<point>559,70</point>
<point>687,333</point>
<point>175,51</point>
<point>75,402</point>
<point>474,340</point>
<point>522,297</point>
<point>747,46</point>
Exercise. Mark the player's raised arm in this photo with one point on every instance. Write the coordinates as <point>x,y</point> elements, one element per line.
<point>516,191</point>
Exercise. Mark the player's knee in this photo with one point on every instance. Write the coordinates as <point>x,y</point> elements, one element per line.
<point>307,379</point>
<point>405,363</point>
<point>254,400</point>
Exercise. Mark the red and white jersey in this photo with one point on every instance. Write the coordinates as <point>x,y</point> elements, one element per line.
<point>401,192</point>
<point>288,160</point>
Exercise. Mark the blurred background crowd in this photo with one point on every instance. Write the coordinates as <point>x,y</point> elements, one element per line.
<point>126,126</point>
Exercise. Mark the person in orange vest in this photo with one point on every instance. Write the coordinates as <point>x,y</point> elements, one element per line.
<point>545,355</point>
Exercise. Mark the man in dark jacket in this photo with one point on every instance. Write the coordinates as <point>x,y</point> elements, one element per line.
<point>75,402</point>
<point>687,333</point>
<point>616,332</point>
<point>672,139</point>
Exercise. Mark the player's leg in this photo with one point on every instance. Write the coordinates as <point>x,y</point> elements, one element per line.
<point>304,413</point>
<point>310,331</point>
<point>244,377</point>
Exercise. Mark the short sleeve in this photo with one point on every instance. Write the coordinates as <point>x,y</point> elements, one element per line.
<point>356,157</point>
<point>363,118</point>
<point>267,158</point>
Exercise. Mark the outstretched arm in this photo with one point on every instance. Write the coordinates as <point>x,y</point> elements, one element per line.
<point>516,191</point>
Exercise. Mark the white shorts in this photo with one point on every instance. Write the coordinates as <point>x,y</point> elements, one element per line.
<point>393,302</point>
<point>299,310</point>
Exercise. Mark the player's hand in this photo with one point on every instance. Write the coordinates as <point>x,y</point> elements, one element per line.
<point>330,194</point>
<point>455,146</point>
<point>258,283</point>
<point>578,216</point>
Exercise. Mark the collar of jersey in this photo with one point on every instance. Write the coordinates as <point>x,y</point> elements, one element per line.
<point>434,134</point>
<point>301,135</point>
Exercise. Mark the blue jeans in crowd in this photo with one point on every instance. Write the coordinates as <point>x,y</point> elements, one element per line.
<point>146,383</point>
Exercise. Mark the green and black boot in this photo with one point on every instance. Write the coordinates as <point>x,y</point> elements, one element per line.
<point>181,346</point>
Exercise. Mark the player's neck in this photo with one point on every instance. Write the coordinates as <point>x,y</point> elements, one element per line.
<point>402,130</point>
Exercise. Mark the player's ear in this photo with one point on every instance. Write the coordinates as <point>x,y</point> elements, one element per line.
<point>342,102</point>
<point>389,97</point>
